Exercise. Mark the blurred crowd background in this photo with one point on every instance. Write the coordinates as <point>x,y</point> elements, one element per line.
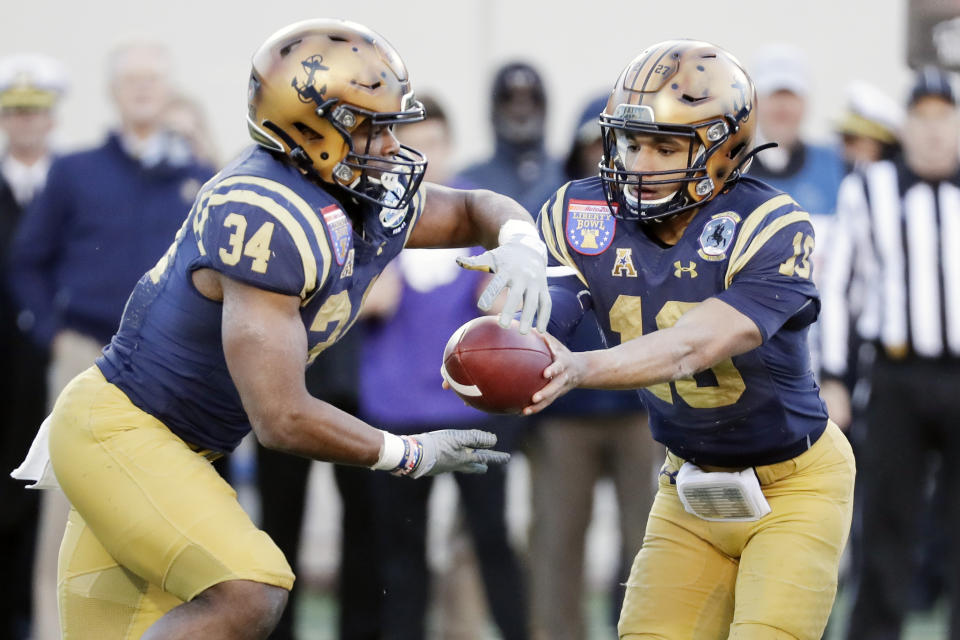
<point>454,48</point>
<point>114,113</point>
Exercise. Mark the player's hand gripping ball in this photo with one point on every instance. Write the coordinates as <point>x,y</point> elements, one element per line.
<point>495,369</point>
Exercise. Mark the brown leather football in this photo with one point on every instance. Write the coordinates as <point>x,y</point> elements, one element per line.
<point>495,369</point>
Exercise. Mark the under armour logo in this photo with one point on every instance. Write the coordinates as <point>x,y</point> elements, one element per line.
<point>679,269</point>
<point>671,475</point>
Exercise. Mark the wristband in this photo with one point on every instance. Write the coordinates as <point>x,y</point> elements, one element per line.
<point>412,453</point>
<point>525,233</point>
<point>392,452</point>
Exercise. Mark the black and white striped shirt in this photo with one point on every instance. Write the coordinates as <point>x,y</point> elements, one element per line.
<point>898,238</point>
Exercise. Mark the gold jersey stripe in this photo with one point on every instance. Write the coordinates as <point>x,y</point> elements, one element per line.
<point>762,238</point>
<point>305,210</point>
<point>560,238</point>
<point>200,219</point>
<point>546,230</point>
<point>285,218</point>
<point>753,221</point>
<point>556,217</point>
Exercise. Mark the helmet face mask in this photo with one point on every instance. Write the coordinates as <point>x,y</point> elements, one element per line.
<point>386,180</point>
<point>327,94</point>
<point>693,93</point>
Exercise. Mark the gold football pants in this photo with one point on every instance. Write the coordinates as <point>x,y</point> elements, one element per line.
<point>152,525</point>
<point>771,579</point>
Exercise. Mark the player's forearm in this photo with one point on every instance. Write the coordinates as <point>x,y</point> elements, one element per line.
<point>320,431</point>
<point>263,341</point>
<point>661,356</point>
<point>707,334</point>
<point>488,211</point>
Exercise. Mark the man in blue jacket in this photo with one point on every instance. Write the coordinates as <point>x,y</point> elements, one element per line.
<point>520,166</point>
<point>105,217</point>
<point>31,86</point>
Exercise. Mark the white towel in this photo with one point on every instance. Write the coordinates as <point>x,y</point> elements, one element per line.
<point>36,466</point>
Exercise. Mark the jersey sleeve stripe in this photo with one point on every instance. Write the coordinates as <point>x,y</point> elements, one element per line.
<point>311,217</point>
<point>762,238</point>
<point>202,212</point>
<point>419,202</point>
<point>284,217</point>
<point>556,217</point>
<point>751,224</point>
<point>560,240</point>
<point>546,230</point>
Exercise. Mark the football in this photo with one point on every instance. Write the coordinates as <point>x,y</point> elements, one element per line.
<point>494,369</point>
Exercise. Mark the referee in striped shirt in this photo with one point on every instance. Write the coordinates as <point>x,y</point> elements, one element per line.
<point>898,237</point>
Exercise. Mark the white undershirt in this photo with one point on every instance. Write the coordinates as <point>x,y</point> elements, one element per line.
<point>24,180</point>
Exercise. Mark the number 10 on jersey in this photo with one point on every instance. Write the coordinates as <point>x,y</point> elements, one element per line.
<point>626,319</point>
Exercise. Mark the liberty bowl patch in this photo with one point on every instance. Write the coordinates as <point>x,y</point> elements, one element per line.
<point>717,235</point>
<point>590,226</point>
<point>340,230</point>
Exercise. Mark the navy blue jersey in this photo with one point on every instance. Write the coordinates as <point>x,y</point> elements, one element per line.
<point>750,247</point>
<point>261,222</point>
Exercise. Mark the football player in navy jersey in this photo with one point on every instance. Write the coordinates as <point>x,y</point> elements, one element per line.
<point>700,278</point>
<point>270,267</point>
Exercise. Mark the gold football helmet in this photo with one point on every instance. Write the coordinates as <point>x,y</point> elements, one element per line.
<point>684,88</point>
<point>314,86</point>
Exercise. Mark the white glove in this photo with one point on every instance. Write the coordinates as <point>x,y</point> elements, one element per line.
<point>520,264</point>
<point>435,452</point>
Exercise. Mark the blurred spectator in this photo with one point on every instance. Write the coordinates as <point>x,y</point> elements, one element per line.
<point>870,126</point>
<point>435,138</point>
<point>808,172</point>
<point>422,300</point>
<point>870,131</point>
<point>185,117</point>
<point>582,437</point>
<point>30,87</point>
<point>520,166</point>
<point>104,218</point>
<point>897,222</point>
<point>586,149</point>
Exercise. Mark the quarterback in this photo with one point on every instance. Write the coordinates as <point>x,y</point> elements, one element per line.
<point>700,280</point>
<point>270,267</point>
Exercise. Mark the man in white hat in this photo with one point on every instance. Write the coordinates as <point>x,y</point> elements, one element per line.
<point>869,127</point>
<point>105,215</point>
<point>810,173</point>
<point>30,87</point>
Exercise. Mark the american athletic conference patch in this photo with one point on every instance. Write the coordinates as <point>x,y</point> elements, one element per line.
<point>590,226</point>
<point>340,230</point>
